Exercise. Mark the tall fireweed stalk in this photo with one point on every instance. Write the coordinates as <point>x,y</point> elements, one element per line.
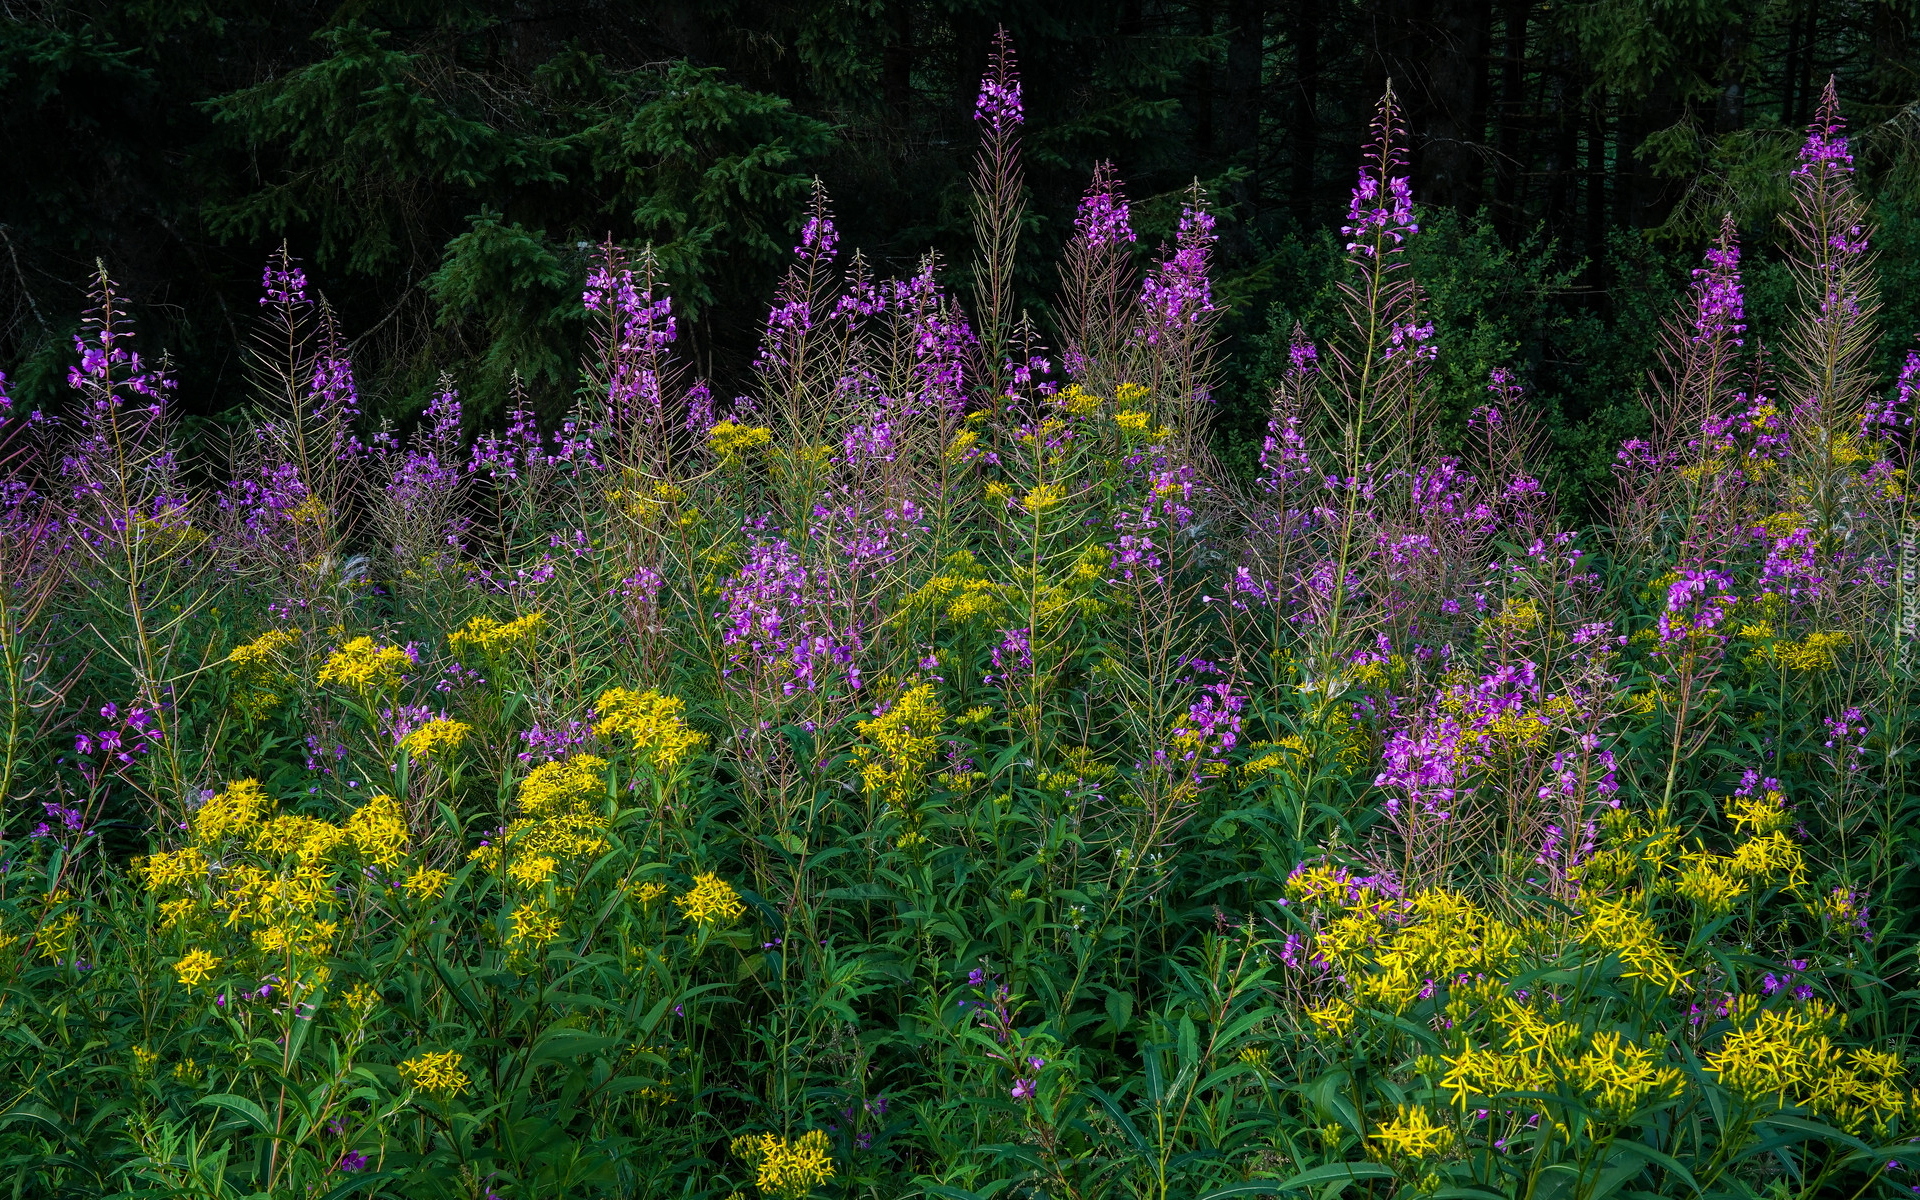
<point>929,772</point>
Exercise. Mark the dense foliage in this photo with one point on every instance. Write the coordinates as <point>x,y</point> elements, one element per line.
<point>933,773</point>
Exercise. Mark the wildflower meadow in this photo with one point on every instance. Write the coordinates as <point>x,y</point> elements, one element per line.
<point>938,771</point>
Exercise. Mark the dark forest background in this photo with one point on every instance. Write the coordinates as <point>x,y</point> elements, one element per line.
<point>444,169</point>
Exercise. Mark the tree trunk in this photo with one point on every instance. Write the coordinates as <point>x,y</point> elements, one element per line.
<point>896,66</point>
<point>1303,139</point>
<point>1508,172</point>
<point>1241,113</point>
<point>1450,69</point>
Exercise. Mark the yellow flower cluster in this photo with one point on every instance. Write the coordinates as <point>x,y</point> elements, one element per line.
<point>172,869</point>
<point>436,1074</point>
<point>731,441</point>
<point>305,838</point>
<point>533,925</point>
<point>1614,1077</point>
<point>711,901</point>
<point>1786,1057</point>
<point>1703,881</point>
<point>1136,424</point>
<point>262,654</point>
<point>958,449</point>
<point>1077,400</point>
<point>1413,1134</point>
<point>1043,497</point>
<point>903,740</point>
<point>256,667</point>
<point>492,638</point>
<point>645,892</point>
<point>234,810</point>
<point>1516,616</point>
<point>656,724</point>
<point>1443,936</point>
<point>1764,813</point>
<point>196,968</point>
<point>786,1169</point>
<point>378,829</point>
<point>556,788</point>
<point>1334,1018</point>
<point>437,738</point>
<point>1818,651</point>
<point>1620,926</point>
<point>365,666</point>
<point>559,821</point>
<point>960,592</point>
<point>425,883</point>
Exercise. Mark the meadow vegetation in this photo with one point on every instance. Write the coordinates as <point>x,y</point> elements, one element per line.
<point>932,773</point>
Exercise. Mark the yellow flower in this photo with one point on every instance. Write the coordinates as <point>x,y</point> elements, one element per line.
<point>531,870</point>
<point>435,738</point>
<point>1765,813</point>
<point>1619,1078</point>
<point>712,900</point>
<point>1815,652</point>
<point>311,511</point>
<point>1767,857</point>
<point>196,968</point>
<point>657,724</point>
<point>1703,880</point>
<point>174,913</point>
<point>235,810</point>
<point>425,883</point>
<point>732,441</point>
<point>786,1169</point>
<point>305,837</point>
<point>177,868</point>
<point>904,740</point>
<point>436,1074</point>
<point>54,939</point>
<point>1044,497</point>
<point>378,829</point>
<point>361,999</point>
<point>144,1060</point>
<point>1413,1134</point>
<point>1616,925</point>
<point>487,636</point>
<point>1129,394</point>
<point>364,666</point>
<point>559,787</point>
<point>533,926</point>
<point>1077,400</point>
<point>645,893</point>
<point>1334,1018</point>
<point>1784,1055</point>
<point>957,450</point>
<point>262,654</point>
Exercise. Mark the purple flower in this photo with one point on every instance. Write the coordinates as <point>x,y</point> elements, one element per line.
<point>284,283</point>
<point>1719,307</point>
<point>1825,150</point>
<point>1177,295</point>
<point>350,1162</point>
<point>1380,211</point>
<point>1102,221</point>
<point>1023,1089</point>
<point>998,105</point>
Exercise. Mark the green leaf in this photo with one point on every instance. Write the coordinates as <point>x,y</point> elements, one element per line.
<point>1345,1172</point>
<point>248,1111</point>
